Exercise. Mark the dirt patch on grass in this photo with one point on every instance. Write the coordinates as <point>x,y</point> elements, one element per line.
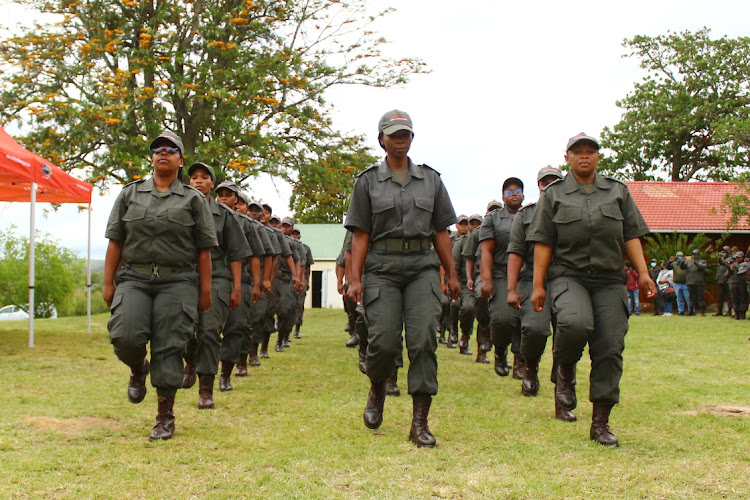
<point>73,426</point>
<point>721,410</point>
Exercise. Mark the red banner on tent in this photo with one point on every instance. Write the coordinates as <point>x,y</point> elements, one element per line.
<point>20,167</point>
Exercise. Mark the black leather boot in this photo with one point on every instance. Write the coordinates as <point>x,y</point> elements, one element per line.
<point>254,355</point>
<point>242,366</point>
<point>391,384</point>
<point>264,345</point>
<point>452,339</point>
<point>296,332</point>
<point>565,393</point>
<point>188,378</point>
<point>600,424</point>
<point>420,433</point>
<point>530,384</point>
<point>463,344</point>
<point>517,367</point>
<point>225,382</point>
<point>206,392</point>
<point>137,383</point>
<point>501,362</point>
<point>164,428</point>
<point>373,415</point>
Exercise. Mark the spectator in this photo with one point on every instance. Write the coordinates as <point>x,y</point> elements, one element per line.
<point>738,287</point>
<point>634,304</point>
<point>665,281</point>
<point>722,282</point>
<point>680,284</point>
<point>653,271</point>
<point>695,281</point>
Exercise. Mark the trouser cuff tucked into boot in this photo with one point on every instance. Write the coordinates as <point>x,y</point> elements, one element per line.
<point>164,428</point>
<point>373,415</point>
<point>600,431</point>
<point>391,385</point>
<point>225,383</point>
<point>530,384</point>
<point>137,383</point>
<point>206,392</point>
<point>420,433</point>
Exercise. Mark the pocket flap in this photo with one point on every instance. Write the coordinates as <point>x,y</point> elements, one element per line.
<point>424,203</point>
<point>180,216</point>
<point>382,204</point>
<point>612,210</point>
<point>568,214</point>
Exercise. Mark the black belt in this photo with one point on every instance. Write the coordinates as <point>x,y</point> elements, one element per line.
<point>392,245</point>
<point>157,269</point>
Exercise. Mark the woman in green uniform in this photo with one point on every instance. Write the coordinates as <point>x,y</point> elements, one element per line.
<point>583,228</point>
<point>160,232</point>
<point>398,212</point>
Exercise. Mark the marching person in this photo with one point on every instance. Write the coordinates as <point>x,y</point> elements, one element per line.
<point>398,211</point>
<point>583,228</point>
<point>160,233</point>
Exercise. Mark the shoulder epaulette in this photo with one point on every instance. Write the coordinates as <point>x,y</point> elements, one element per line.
<point>526,206</point>
<point>616,180</point>
<point>191,187</point>
<point>556,181</point>
<point>137,181</point>
<point>225,207</point>
<point>368,169</point>
<point>424,165</point>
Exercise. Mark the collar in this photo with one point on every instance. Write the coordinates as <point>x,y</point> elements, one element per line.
<point>571,185</point>
<point>177,187</point>
<point>385,172</point>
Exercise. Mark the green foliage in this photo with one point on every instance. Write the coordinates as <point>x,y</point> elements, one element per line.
<point>690,116</point>
<point>663,246</point>
<point>242,82</point>
<point>58,272</point>
<point>737,206</point>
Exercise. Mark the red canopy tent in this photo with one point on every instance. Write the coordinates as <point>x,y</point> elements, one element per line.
<point>27,177</point>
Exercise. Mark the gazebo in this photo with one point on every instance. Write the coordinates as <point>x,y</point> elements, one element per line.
<point>27,177</point>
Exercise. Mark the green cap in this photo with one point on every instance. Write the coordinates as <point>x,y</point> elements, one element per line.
<point>548,170</point>
<point>170,137</point>
<point>197,165</point>
<point>581,137</point>
<point>395,120</point>
<point>461,218</point>
<point>228,185</point>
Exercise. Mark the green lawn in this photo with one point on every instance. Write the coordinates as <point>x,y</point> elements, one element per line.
<point>293,429</point>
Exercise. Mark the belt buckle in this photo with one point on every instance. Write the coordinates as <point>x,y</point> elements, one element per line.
<point>155,270</point>
<point>405,246</point>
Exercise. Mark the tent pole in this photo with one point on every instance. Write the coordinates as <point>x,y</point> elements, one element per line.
<point>31,264</point>
<point>88,276</point>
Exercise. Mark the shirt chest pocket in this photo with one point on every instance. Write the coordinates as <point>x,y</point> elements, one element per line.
<point>423,213</point>
<point>134,213</point>
<point>611,222</point>
<point>384,217</point>
<point>181,216</point>
<point>569,224</point>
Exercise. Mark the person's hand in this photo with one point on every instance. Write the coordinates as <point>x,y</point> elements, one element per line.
<point>646,283</point>
<point>470,284</point>
<point>487,290</point>
<point>355,292</point>
<point>235,298</point>
<point>455,288</point>
<point>108,294</point>
<point>267,287</point>
<point>538,296</point>
<point>204,301</point>
<point>255,293</point>
<point>514,300</point>
<point>340,287</point>
<point>443,288</point>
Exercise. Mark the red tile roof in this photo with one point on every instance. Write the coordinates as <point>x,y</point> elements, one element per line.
<point>684,206</point>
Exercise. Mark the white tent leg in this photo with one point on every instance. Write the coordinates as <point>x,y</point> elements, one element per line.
<point>88,277</point>
<point>31,264</point>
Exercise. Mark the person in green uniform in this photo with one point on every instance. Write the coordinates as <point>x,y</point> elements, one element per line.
<point>583,228</point>
<point>535,327</point>
<point>305,282</point>
<point>470,255</point>
<point>286,300</point>
<point>398,212</point>
<point>235,328</point>
<point>283,252</point>
<point>457,243</point>
<point>226,289</point>
<point>343,285</point>
<point>160,232</point>
<point>251,212</point>
<point>494,237</point>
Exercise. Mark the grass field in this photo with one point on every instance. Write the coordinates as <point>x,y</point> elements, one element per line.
<point>293,428</point>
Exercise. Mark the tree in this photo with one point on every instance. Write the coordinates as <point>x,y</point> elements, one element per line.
<point>58,272</point>
<point>690,116</point>
<point>663,246</point>
<point>242,82</point>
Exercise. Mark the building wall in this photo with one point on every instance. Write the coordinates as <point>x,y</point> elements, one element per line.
<point>330,298</point>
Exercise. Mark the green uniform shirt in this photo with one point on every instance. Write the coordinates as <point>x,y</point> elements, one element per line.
<point>161,228</point>
<point>384,208</point>
<point>680,273</point>
<point>308,256</point>
<point>588,231</point>
<point>256,236</point>
<point>287,249</point>
<point>345,247</point>
<point>459,261</point>
<point>471,251</point>
<point>695,272</point>
<point>273,239</point>
<point>233,246</point>
<point>518,244</point>
<point>496,226</point>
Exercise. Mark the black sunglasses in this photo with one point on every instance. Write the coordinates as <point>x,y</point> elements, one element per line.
<point>165,149</point>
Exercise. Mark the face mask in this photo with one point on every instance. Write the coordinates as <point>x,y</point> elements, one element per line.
<point>679,259</point>
<point>653,264</point>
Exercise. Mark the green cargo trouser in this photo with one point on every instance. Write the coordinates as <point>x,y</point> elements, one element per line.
<point>162,310</point>
<point>285,300</point>
<point>235,327</point>
<point>466,311</point>
<point>535,326</point>
<point>402,293</point>
<point>210,325</point>
<point>595,311</point>
<point>300,309</point>
<point>255,333</point>
<point>481,307</point>
<point>504,320</point>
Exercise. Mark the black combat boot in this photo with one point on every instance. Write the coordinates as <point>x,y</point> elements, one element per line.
<point>254,355</point>
<point>530,384</point>
<point>600,424</point>
<point>206,392</point>
<point>463,344</point>
<point>225,382</point>
<point>188,378</point>
<point>373,415</point>
<point>565,393</point>
<point>420,433</point>
<point>501,362</point>
<point>452,339</point>
<point>391,384</point>
<point>296,332</point>
<point>242,366</point>
<point>164,428</point>
<point>517,367</point>
<point>137,383</point>
<point>264,345</point>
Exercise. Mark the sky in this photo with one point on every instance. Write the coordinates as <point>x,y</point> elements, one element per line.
<point>509,83</point>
